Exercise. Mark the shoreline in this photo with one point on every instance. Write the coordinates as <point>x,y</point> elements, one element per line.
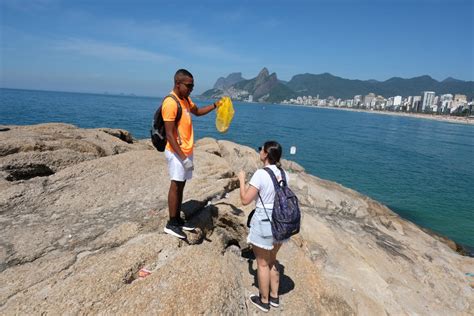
<point>441,118</point>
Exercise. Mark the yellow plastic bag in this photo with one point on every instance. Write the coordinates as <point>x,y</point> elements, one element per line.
<point>224,115</point>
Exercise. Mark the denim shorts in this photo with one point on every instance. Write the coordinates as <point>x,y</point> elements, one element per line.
<point>261,229</point>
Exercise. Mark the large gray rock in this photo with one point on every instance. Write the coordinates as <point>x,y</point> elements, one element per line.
<point>74,239</point>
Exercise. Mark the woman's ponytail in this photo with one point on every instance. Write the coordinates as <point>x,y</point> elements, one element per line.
<point>273,150</point>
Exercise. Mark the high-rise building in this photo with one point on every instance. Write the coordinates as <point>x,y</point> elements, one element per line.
<point>427,100</point>
<point>416,105</point>
<point>397,100</point>
<point>369,99</point>
<point>459,99</point>
<point>357,100</point>
<point>446,101</point>
<point>408,103</point>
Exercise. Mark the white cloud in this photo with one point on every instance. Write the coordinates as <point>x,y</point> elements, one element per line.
<point>177,39</point>
<point>109,50</point>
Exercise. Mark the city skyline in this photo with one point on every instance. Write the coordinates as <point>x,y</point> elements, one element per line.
<point>135,47</point>
<point>427,102</point>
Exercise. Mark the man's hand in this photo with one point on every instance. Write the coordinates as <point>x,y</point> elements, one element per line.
<point>188,164</point>
<point>220,102</point>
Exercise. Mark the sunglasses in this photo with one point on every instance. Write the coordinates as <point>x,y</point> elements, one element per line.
<point>188,85</point>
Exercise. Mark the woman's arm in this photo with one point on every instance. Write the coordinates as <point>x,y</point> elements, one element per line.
<point>247,194</point>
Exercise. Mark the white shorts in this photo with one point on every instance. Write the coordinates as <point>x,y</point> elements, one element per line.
<point>175,167</point>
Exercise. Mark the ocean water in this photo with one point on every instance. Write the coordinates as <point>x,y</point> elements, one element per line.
<point>421,169</point>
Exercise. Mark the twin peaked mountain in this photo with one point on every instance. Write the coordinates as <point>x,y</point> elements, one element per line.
<point>267,88</point>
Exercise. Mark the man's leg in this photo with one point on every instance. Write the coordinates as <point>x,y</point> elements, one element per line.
<point>175,196</point>
<point>180,197</point>
<point>185,225</point>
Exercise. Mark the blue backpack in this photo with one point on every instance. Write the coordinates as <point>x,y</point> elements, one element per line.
<point>286,215</point>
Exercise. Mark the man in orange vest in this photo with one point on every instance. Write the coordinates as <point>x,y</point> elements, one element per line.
<point>179,149</point>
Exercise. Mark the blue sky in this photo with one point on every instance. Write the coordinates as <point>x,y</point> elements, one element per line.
<point>136,46</point>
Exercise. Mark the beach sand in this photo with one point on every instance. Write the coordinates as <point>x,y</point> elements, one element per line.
<point>442,118</point>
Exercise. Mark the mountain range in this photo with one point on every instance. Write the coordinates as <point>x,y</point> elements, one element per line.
<point>267,87</point>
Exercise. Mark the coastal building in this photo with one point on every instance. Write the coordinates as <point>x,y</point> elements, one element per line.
<point>407,103</point>
<point>427,100</point>
<point>459,99</point>
<point>330,101</point>
<point>416,105</point>
<point>357,100</point>
<point>367,102</point>
<point>378,103</point>
<point>427,103</point>
<point>397,100</point>
<point>446,102</point>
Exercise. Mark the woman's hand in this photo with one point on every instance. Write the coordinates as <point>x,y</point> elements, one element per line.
<point>242,176</point>
<point>247,194</point>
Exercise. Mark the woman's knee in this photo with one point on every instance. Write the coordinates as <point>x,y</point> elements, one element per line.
<point>274,268</point>
<point>262,263</point>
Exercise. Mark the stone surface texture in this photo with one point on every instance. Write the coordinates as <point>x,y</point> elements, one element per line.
<point>83,210</point>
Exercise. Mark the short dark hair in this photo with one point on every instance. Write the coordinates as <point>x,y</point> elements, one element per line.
<point>182,73</point>
<point>274,150</point>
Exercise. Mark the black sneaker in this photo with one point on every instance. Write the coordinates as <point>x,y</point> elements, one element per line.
<point>184,224</point>
<point>255,299</point>
<point>274,302</point>
<point>174,231</point>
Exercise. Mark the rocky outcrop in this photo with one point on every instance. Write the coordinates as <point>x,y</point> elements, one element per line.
<point>74,238</point>
<point>264,88</point>
<point>224,83</point>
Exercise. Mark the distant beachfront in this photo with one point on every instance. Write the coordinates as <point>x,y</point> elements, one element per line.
<point>436,117</point>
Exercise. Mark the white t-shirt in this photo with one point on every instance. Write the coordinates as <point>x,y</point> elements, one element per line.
<point>263,182</point>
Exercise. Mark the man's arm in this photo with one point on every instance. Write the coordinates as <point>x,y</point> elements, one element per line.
<point>204,110</point>
<point>170,128</point>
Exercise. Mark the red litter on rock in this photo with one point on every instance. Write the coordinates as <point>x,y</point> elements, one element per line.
<point>143,273</point>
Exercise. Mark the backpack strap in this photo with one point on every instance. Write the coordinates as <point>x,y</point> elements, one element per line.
<point>283,176</point>
<point>264,208</point>
<point>178,114</point>
<point>180,110</point>
<point>276,184</point>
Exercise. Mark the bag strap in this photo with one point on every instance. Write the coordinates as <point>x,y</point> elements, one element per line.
<point>276,184</point>
<point>180,110</point>
<point>263,204</point>
<point>178,114</point>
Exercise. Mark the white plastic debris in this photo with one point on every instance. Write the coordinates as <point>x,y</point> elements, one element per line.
<point>293,150</point>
